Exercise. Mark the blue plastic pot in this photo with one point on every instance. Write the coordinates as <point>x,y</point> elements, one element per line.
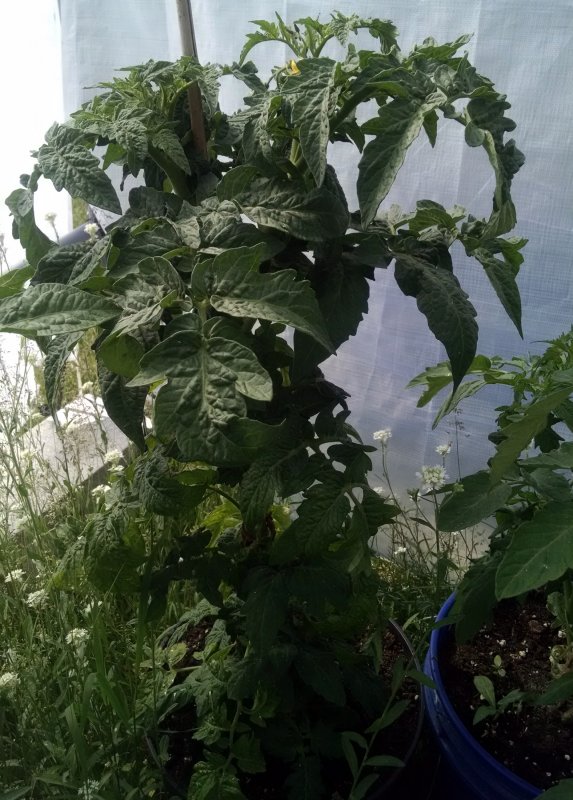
<point>470,772</point>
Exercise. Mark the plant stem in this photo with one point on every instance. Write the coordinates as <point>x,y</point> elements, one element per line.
<point>174,173</point>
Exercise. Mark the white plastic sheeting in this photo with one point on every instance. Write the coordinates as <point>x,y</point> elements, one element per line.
<point>525,47</point>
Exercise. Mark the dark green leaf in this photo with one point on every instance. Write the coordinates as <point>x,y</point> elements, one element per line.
<point>70,166</point>
<point>36,244</point>
<point>502,277</point>
<point>50,309</point>
<point>397,125</point>
<point>485,687</point>
<point>265,608</point>
<point>319,671</point>
<point>12,282</point>
<point>478,500</point>
<point>247,750</point>
<point>160,492</point>
<point>540,551</point>
<point>57,353</point>
<point>236,287</point>
<point>563,791</point>
<point>305,783</point>
<point>121,355</point>
<point>309,91</point>
<point>450,315</point>
<point>123,404</point>
<point>280,204</point>
<point>517,435</point>
<point>558,691</point>
<point>207,379</point>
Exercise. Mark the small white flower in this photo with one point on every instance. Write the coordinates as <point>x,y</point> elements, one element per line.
<point>89,790</point>
<point>50,217</point>
<point>93,605</point>
<point>399,550</point>
<point>444,449</point>
<point>92,230</point>
<point>501,642</point>
<point>382,435</point>
<point>522,653</point>
<point>88,387</point>
<point>561,634</point>
<point>8,681</point>
<point>100,491</point>
<point>37,599</point>
<point>113,457</point>
<point>14,576</point>
<point>77,637</point>
<point>432,478</point>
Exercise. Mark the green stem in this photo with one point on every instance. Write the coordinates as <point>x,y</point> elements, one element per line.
<point>176,175</point>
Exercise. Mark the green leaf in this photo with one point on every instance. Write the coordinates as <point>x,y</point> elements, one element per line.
<point>558,691</point>
<point>563,791</point>
<point>265,608</point>
<point>319,671</point>
<point>395,128</point>
<point>309,92</point>
<point>305,783</point>
<point>551,484</point>
<point>70,166</point>
<point>318,585</point>
<point>57,265</point>
<point>13,281</point>
<point>321,517</point>
<point>384,761</point>
<point>50,309</point>
<point>36,244</point>
<point>363,787</point>
<point>121,355</point>
<point>213,782</point>
<point>284,205</point>
<point>159,490</point>
<point>124,405</point>
<point>450,315</point>
<point>485,687</point>
<point>236,287</point>
<point>540,551</point>
<point>478,500</point>
<point>114,551</point>
<point>247,750</point>
<point>207,379</point>
<point>561,458</point>
<point>57,354</point>
<point>169,143</point>
<point>342,295</point>
<point>517,435</point>
<point>145,294</point>
<point>389,717</point>
<point>502,277</point>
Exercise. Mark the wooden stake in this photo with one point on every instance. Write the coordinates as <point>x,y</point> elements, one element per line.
<point>189,48</point>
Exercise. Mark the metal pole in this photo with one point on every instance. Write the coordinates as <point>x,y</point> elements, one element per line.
<point>189,48</point>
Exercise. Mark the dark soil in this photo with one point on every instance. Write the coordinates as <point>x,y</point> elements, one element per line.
<point>534,742</point>
<point>395,740</point>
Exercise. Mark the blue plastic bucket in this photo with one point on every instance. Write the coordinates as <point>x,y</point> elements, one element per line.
<point>470,773</point>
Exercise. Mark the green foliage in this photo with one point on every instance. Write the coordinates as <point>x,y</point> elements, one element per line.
<point>190,293</point>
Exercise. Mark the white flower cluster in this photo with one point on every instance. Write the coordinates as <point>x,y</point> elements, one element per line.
<point>432,478</point>
<point>37,599</point>
<point>77,637</point>
<point>100,491</point>
<point>92,606</point>
<point>92,230</point>
<point>89,790</point>
<point>50,217</point>
<point>14,576</point>
<point>8,681</point>
<point>382,435</point>
<point>444,449</point>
